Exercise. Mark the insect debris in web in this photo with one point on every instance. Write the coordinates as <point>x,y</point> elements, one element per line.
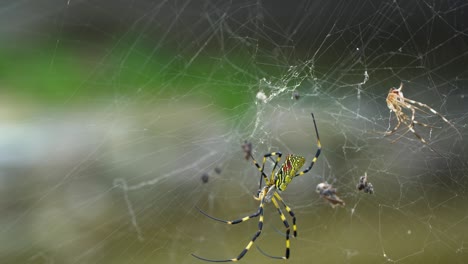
<point>247,148</point>
<point>364,185</point>
<point>328,193</point>
<point>206,177</point>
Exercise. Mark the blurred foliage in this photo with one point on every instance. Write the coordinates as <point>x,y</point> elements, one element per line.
<point>53,74</point>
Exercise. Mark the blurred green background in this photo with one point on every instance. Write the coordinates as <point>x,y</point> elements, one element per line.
<point>111,112</point>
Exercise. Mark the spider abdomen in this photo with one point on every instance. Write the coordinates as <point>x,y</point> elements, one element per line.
<point>288,171</point>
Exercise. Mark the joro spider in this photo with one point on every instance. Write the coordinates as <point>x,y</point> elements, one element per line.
<point>274,185</point>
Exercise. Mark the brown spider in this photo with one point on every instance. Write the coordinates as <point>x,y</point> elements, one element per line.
<point>396,102</point>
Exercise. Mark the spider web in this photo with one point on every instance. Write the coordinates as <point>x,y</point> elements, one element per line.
<point>163,95</point>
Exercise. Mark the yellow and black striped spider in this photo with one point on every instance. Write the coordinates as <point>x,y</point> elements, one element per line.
<point>274,185</point>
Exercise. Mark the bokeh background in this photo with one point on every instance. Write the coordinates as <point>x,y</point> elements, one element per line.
<point>111,112</point>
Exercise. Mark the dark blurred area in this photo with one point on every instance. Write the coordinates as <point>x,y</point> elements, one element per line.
<point>144,43</point>
<point>404,38</point>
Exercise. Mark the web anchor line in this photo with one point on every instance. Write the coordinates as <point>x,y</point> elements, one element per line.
<point>122,183</point>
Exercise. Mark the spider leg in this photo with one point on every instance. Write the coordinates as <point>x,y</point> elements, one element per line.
<point>269,155</point>
<point>252,241</point>
<point>423,140</point>
<point>409,105</point>
<point>402,117</point>
<point>291,213</point>
<point>261,169</point>
<point>396,127</point>
<point>285,223</point>
<point>401,86</point>
<point>423,124</point>
<point>317,154</point>
<point>411,128</point>
<point>237,221</point>
<point>288,230</point>
<point>406,132</point>
<point>434,112</point>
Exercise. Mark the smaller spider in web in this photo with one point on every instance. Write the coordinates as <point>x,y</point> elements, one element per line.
<point>274,185</point>
<point>396,102</point>
<point>365,185</point>
<point>328,193</point>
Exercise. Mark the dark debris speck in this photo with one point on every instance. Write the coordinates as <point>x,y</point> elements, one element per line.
<point>205,177</point>
<point>247,148</point>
